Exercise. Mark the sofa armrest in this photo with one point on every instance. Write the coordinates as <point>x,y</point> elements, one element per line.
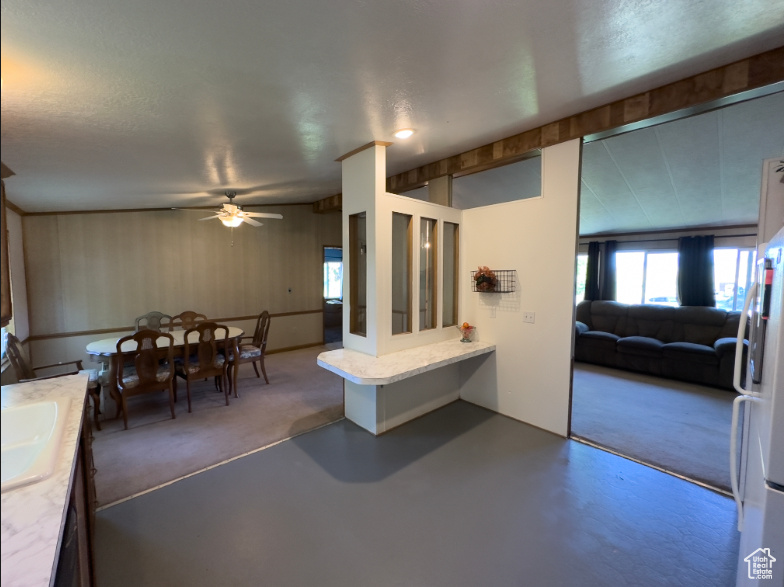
<point>580,328</point>
<point>727,345</point>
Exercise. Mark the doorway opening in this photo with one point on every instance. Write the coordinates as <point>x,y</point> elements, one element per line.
<point>641,194</point>
<point>333,295</point>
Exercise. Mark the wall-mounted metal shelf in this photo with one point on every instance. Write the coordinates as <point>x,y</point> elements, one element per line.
<point>502,281</point>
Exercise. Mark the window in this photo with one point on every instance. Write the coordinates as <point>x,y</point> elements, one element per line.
<point>651,277</point>
<point>333,273</point>
<point>357,247</point>
<point>647,277</point>
<point>401,273</point>
<point>428,304</point>
<point>450,283</point>
<point>582,271</point>
<point>733,273</point>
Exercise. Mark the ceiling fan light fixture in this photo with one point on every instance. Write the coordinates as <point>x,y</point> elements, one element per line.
<point>231,221</point>
<point>404,133</point>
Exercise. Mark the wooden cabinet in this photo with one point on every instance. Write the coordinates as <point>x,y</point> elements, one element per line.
<point>75,566</point>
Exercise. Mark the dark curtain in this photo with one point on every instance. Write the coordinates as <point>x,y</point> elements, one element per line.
<point>607,281</point>
<point>695,271</point>
<point>592,272</point>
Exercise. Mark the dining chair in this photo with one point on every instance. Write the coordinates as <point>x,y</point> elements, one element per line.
<point>251,352</point>
<point>145,373</point>
<point>187,320</point>
<point>206,348</point>
<point>157,321</point>
<point>24,372</point>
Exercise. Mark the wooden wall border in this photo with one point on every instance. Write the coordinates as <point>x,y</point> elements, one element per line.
<point>736,78</point>
<point>38,337</point>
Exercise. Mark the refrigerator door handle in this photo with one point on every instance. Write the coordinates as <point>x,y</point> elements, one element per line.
<point>734,454</point>
<point>744,319</point>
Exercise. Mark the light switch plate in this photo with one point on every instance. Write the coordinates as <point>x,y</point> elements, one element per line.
<point>529,317</point>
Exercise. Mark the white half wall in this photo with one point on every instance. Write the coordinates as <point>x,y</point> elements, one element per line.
<point>529,378</point>
<point>379,408</point>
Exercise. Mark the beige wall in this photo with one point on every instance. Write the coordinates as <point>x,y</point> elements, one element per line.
<point>88,272</point>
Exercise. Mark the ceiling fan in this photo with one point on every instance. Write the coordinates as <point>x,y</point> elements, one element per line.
<point>232,215</point>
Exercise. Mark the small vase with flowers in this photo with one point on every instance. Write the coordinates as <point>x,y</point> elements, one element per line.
<point>467,331</point>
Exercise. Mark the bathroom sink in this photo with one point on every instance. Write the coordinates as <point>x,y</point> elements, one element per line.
<point>31,437</point>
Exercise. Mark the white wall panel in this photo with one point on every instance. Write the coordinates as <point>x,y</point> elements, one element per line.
<point>529,377</point>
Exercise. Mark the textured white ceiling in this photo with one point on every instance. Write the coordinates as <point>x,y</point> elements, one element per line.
<point>700,171</point>
<point>110,105</point>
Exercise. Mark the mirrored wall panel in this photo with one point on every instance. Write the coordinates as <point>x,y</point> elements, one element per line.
<point>357,236</point>
<point>451,240</point>
<point>401,273</point>
<point>428,302</point>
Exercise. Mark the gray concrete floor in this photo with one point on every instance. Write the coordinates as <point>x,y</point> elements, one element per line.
<point>461,496</point>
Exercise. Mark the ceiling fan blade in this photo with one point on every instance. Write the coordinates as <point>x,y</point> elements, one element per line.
<point>210,217</point>
<point>264,215</point>
<point>251,221</point>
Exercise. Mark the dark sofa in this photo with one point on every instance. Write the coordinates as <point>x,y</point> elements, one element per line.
<point>689,343</point>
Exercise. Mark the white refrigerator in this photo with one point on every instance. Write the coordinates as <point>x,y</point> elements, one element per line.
<point>757,465</point>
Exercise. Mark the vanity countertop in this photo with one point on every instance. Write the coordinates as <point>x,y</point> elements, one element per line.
<point>33,516</point>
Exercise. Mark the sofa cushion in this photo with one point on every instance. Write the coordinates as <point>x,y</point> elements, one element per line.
<point>651,322</point>
<point>608,316</point>
<point>583,313</point>
<point>688,351</point>
<point>725,346</point>
<point>698,324</point>
<point>731,325</point>
<point>596,347</point>
<point>641,346</point>
<point>599,335</point>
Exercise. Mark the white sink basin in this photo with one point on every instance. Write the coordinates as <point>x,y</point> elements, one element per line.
<point>31,436</point>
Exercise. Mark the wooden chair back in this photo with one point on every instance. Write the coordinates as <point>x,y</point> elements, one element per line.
<point>262,330</point>
<point>187,320</point>
<point>145,358</point>
<point>207,348</point>
<point>147,373</point>
<point>253,352</point>
<point>157,321</point>
<point>18,359</point>
<point>203,344</point>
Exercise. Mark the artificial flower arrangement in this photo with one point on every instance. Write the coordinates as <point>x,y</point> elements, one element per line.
<point>484,279</point>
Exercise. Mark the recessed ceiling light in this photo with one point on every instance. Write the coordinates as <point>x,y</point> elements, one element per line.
<point>404,133</point>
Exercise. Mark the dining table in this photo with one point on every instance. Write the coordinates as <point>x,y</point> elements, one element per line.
<point>105,351</point>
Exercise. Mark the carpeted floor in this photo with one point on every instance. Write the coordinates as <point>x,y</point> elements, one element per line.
<point>155,450</point>
<point>679,427</point>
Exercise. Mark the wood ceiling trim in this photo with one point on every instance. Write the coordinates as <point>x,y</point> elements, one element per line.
<point>5,172</point>
<point>362,148</point>
<point>742,76</point>
<point>14,208</point>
